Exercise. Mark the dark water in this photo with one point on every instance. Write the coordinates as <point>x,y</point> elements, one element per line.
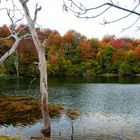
<point>109,106</point>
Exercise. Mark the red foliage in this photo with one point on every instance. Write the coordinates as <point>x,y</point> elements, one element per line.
<point>55,39</point>
<point>27,50</point>
<point>86,51</point>
<point>124,43</point>
<point>53,59</point>
<point>118,43</point>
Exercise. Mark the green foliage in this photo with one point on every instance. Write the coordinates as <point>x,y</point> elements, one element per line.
<point>9,65</point>
<point>71,70</point>
<point>29,70</point>
<point>2,69</point>
<point>72,54</point>
<point>25,69</point>
<point>106,56</point>
<point>125,68</point>
<point>53,69</point>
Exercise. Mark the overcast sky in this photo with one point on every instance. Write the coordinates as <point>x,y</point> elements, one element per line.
<point>52,16</point>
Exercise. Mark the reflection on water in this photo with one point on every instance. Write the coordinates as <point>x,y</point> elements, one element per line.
<point>90,127</point>
<point>109,107</point>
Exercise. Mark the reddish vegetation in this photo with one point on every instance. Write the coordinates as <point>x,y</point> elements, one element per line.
<point>65,54</point>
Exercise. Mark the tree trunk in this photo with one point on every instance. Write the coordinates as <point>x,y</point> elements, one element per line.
<point>43,70</point>
<point>16,63</point>
<point>43,83</point>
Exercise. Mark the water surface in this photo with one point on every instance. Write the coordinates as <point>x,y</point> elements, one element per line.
<point>109,107</point>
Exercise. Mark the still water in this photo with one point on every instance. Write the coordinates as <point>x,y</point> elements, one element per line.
<point>109,107</point>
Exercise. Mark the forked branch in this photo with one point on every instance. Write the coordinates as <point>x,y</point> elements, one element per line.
<point>36,11</point>
<point>81,11</point>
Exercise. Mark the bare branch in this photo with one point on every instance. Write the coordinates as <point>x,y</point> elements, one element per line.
<point>27,36</point>
<point>95,16</point>
<point>14,47</point>
<point>138,29</point>
<point>12,50</point>
<point>80,7</point>
<point>3,9</point>
<point>23,28</point>
<point>131,25</point>
<point>15,8</point>
<point>11,19</point>
<point>11,13</point>
<point>19,19</point>
<point>83,10</point>
<point>115,6</point>
<point>26,1</point>
<point>121,18</point>
<point>111,1</point>
<point>64,6</point>
<point>31,82</point>
<point>36,11</point>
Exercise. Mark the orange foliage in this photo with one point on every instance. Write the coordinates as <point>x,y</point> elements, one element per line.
<point>27,50</point>
<point>53,59</point>
<point>137,52</point>
<point>68,36</point>
<point>86,51</point>
<point>55,39</point>
<point>108,39</point>
<point>4,31</point>
<point>8,43</point>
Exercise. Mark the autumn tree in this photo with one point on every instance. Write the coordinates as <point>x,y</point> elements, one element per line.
<point>87,11</point>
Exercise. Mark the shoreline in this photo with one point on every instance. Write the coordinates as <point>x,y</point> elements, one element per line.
<point>100,75</point>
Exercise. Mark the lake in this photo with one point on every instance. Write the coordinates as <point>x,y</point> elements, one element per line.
<point>109,107</point>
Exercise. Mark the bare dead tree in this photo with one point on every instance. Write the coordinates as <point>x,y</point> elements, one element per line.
<point>11,13</point>
<point>13,35</point>
<point>81,11</point>
<point>41,55</point>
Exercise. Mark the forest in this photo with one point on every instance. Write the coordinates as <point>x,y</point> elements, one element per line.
<point>72,54</point>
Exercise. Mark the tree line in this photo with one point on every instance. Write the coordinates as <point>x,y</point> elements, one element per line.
<point>72,54</point>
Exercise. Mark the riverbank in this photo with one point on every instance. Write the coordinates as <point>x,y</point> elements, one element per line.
<point>86,76</point>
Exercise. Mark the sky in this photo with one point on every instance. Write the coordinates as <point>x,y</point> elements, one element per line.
<point>52,16</point>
